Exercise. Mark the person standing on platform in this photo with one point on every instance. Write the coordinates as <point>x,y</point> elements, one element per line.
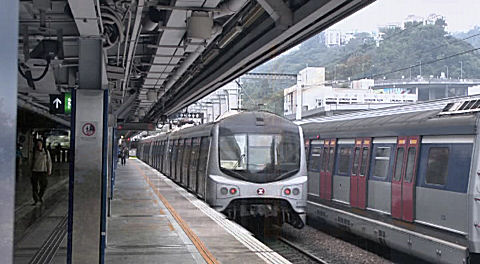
<point>41,167</point>
<point>123,155</point>
<point>58,152</point>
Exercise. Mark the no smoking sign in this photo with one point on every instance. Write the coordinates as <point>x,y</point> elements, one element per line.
<point>89,130</point>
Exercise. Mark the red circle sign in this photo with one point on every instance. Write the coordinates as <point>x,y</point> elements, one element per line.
<point>88,129</point>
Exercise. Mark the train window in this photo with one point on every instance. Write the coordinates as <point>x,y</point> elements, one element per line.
<point>356,161</point>
<point>193,163</point>
<point>331,159</point>
<point>315,158</point>
<point>259,157</point>
<point>286,151</point>
<point>202,165</point>
<point>307,148</point>
<point>363,166</point>
<point>410,164</point>
<point>344,160</point>
<point>324,159</point>
<point>174,159</point>
<point>437,165</point>
<point>259,152</point>
<point>381,162</point>
<point>179,160</point>
<point>186,159</point>
<point>233,152</point>
<point>398,164</point>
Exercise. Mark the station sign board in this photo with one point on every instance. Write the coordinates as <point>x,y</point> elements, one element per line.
<point>189,115</point>
<point>61,103</point>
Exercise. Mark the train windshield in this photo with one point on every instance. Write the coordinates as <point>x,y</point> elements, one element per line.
<point>259,157</point>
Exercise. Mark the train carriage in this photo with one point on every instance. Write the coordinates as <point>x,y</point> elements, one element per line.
<point>405,177</point>
<point>246,164</point>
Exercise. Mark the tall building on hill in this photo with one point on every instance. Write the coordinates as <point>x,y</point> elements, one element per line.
<point>335,38</point>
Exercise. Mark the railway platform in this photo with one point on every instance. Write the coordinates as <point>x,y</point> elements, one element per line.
<point>152,220</point>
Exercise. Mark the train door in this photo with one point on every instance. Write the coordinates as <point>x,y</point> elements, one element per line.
<point>158,155</point>
<point>186,162</point>
<point>202,166</point>
<point>154,154</point>
<point>362,173</point>
<point>404,178</point>
<point>314,167</point>
<point>354,173</point>
<point>194,164</point>
<point>398,170</point>
<point>173,166</point>
<point>409,179</point>
<point>178,175</point>
<point>323,167</point>
<point>326,170</point>
<point>162,159</point>
<point>358,176</point>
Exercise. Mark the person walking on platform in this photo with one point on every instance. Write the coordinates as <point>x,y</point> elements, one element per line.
<point>41,167</point>
<point>123,155</point>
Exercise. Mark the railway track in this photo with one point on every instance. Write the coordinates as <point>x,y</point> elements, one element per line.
<point>301,250</point>
<point>309,245</point>
<point>292,251</point>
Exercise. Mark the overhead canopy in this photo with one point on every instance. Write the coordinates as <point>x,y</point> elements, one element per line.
<point>161,56</point>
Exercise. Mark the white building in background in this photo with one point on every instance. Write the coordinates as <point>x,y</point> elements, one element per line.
<point>334,38</point>
<point>311,96</point>
<point>225,99</point>
<point>413,19</point>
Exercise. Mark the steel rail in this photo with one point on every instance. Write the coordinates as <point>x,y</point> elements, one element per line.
<point>302,250</point>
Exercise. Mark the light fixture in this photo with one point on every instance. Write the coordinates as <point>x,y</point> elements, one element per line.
<point>234,32</point>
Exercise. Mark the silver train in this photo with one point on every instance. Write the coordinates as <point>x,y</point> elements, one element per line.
<point>406,177</point>
<point>244,165</point>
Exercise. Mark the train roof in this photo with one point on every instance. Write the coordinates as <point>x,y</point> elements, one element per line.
<point>235,122</point>
<point>428,118</point>
<point>251,122</point>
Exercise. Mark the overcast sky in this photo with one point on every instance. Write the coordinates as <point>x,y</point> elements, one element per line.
<point>461,15</point>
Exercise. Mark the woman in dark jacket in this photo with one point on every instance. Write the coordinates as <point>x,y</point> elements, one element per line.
<point>41,168</point>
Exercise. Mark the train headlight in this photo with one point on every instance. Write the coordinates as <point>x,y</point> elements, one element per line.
<point>227,191</point>
<point>292,191</point>
<point>296,191</point>
<point>224,190</point>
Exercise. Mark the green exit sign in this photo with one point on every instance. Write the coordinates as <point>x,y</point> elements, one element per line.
<point>68,103</point>
<point>61,103</point>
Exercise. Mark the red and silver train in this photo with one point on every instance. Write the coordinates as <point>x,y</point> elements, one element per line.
<point>407,177</point>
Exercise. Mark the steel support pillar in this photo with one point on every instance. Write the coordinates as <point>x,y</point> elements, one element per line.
<point>299,102</point>
<point>110,165</point>
<point>8,115</point>
<point>88,184</point>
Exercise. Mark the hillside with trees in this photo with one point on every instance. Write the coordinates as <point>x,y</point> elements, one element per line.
<point>402,53</point>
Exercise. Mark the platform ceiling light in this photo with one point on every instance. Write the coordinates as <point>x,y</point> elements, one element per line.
<point>199,26</point>
<point>151,95</point>
<point>210,55</point>
<point>233,33</point>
